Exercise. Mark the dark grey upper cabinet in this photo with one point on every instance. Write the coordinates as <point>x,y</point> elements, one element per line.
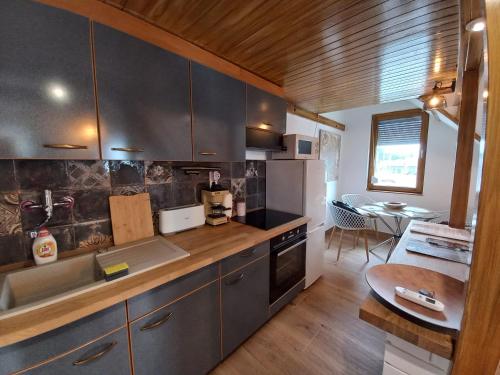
<point>265,108</point>
<point>143,99</point>
<point>245,303</point>
<point>180,339</point>
<point>47,106</point>
<point>218,116</point>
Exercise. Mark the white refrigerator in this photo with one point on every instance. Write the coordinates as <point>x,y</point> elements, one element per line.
<point>298,186</point>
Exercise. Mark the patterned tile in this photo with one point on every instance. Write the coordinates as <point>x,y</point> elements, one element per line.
<point>91,205</point>
<point>261,185</point>
<point>8,181</point>
<point>128,190</point>
<point>94,236</point>
<point>238,169</point>
<point>11,249</point>
<point>88,174</point>
<point>126,172</point>
<point>251,186</point>
<point>10,218</point>
<point>60,216</point>
<point>41,174</point>
<point>161,196</point>
<point>252,202</point>
<point>183,194</point>
<point>251,169</point>
<point>158,172</point>
<point>261,168</point>
<point>238,188</point>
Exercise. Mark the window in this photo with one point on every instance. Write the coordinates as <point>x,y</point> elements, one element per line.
<point>397,151</point>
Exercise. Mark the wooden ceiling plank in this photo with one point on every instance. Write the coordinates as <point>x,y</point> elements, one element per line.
<point>327,56</point>
<point>370,29</point>
<point>345,71</point>
<point>377,50</point>
<point>292,38</point>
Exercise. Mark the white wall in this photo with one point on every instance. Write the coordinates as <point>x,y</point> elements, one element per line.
<point>299,125</point>
<point>439,167</point>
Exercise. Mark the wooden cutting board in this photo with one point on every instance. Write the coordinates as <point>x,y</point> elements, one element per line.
<point>385,277</point>
<point>131,217</point>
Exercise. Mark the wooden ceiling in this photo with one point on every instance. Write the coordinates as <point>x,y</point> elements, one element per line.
<point>326,54</point>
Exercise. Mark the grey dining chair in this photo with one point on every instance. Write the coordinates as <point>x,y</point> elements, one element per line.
<point>346,220</point>
<point>358,200</point>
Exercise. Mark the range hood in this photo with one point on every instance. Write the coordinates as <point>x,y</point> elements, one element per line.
<point>265,140</point>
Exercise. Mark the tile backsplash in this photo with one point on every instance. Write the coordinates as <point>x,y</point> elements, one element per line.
<point>87,224</point>
<point>255,180</point>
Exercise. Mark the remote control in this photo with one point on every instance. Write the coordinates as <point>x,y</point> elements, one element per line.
<point>416,297</point>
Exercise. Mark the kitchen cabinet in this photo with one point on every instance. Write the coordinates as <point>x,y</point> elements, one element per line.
<point>245,303</point>
<point>158,297</point>
<point>218,115</point>
<point>266,109</point>
<point>181,338</point>
<point>143,99</point>
<point>47,104</point>
<point>109,355</point>
<point>241,259</point>
<point>69,337</point>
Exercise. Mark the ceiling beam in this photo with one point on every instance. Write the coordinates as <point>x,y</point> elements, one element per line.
<point>455,120</point>
<point>139,28</point>
<point>314,117</point>
<point>478,349</point>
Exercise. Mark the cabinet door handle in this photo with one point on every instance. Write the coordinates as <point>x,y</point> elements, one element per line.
<point>237,280</point>
<point>248,253</point>
<point>127,149</point>
<point>208,153</point>
<point>93,357</point>
<point>65,146</point>
<point>158,322</point>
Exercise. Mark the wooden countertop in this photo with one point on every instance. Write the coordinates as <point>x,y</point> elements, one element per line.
<point>437,341</point>
<point>206,245</point>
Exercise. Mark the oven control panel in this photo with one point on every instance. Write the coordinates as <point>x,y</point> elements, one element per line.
<point>289,235</point>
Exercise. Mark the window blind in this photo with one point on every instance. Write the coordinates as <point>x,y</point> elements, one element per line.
<point>399,131</point>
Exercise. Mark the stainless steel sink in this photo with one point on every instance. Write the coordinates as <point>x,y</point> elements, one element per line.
<point>23,287</point>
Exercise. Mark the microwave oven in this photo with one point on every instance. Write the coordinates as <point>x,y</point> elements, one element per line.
<point>299,147</point>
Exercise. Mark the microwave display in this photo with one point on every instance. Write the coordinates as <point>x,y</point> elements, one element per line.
<point>304,147</point>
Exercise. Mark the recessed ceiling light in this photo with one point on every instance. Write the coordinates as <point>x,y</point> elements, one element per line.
<point>478,24</point>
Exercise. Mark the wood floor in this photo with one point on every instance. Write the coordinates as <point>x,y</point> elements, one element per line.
<point>319,332</point>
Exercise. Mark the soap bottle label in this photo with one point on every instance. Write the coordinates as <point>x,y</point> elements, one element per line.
<point>46,249</point>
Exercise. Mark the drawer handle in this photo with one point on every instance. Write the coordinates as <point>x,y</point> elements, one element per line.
<point>127,149</point>
<point>65,146</point>
<point>158,322</point>
<point>208,153</point>
<point>249,253</point>
<point>237,280</point>
<point>93,357</point>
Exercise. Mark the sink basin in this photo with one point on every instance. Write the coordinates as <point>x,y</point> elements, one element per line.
<point>49,283</point>
<point>23,287</point>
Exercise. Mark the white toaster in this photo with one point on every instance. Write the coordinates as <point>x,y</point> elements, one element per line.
<point>178,219</point>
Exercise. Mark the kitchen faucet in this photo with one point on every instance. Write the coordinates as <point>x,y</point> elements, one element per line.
<point>48,206</point>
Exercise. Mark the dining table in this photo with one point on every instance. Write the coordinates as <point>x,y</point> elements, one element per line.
<point>383,212</point>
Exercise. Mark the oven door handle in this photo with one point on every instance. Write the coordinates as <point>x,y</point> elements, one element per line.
<point>292,247</point>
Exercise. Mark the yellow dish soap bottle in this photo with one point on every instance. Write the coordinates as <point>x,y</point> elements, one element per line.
<point>44,247</point>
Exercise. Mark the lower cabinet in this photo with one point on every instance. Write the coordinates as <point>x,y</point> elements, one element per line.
<point>181,338</point>
<point>245,303</point>
<point>109,355</point>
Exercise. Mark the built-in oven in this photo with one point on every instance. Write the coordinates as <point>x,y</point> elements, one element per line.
<point>288,262</point>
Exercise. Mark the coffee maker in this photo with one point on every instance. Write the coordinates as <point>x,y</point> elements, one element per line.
<point>217,201</point>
